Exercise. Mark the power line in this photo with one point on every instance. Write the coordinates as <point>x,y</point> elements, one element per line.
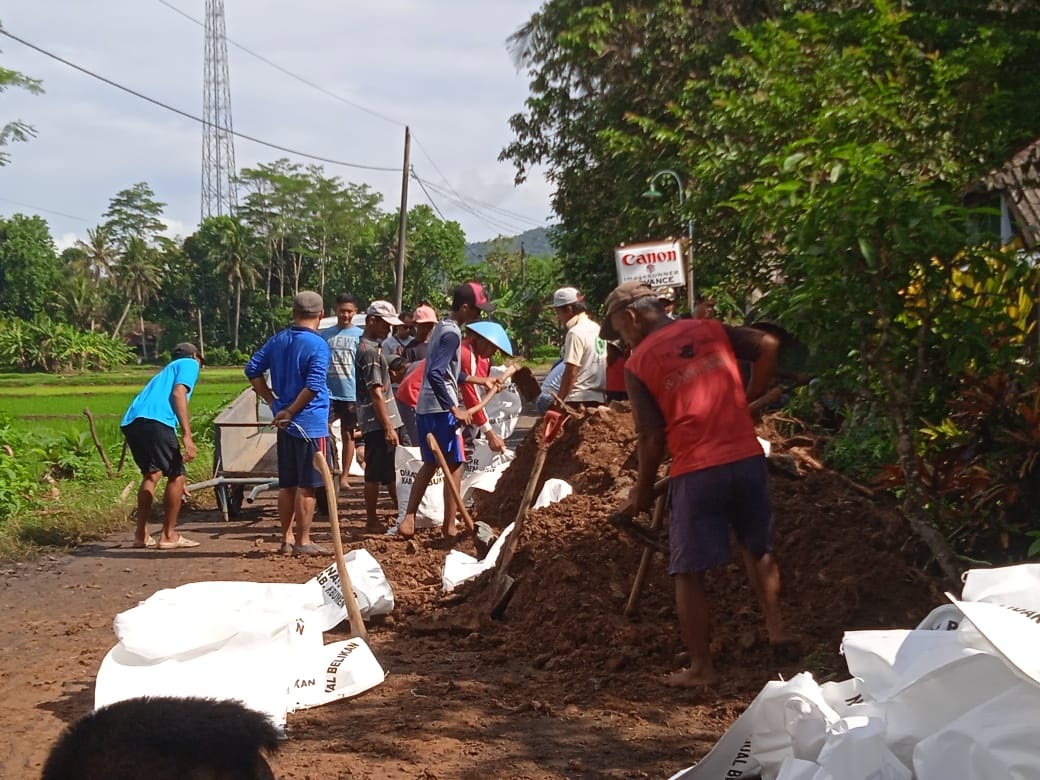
<point>45,211</point>
<point>190,116</point>
<point>428,196</point>
<point>489,206</point>
<point>288,72</point>
<point>498,222</point>
<point>459,199</point>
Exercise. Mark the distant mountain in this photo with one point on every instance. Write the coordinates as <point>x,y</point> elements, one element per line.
<point>535,243</point>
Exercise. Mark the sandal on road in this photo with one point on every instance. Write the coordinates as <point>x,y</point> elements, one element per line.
<point>148,543</point>
<point>309,549</point>
<point>182,542</point>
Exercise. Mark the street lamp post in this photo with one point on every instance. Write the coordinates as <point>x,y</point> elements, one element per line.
<point>653,192</point>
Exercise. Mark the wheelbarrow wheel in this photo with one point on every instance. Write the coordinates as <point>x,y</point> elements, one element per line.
<point>236,496</point>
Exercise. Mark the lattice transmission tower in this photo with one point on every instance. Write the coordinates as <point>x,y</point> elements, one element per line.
<point>218,143</point>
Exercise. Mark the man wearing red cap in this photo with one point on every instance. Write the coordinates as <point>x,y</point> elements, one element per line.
<point>687,395</point>
<point>440,410</point>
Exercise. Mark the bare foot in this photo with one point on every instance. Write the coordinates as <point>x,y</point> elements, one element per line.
<point>406,530</point>
<point>374,526</point>
<point>688,678</point>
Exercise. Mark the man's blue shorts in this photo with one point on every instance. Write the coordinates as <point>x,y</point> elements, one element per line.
<point>448,433</point>
<point>296,461</point>
<point>707,503</point>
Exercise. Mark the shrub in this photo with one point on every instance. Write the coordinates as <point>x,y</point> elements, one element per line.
<point>545,352</point>
<point>19,490</point>
<point>43,345</point>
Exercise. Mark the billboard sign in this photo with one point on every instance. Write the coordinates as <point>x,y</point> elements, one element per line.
<point>655,263</point>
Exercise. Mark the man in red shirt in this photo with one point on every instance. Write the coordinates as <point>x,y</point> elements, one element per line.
<point>687,396</point>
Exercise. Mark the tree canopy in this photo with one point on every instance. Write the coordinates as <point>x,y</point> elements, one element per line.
<point>826,151</point>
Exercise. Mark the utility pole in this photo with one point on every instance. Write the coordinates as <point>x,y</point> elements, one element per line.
<point>402,232</point>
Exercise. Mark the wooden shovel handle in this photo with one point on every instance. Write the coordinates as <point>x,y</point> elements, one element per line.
<point>357,623</point>
<point>431,442</point>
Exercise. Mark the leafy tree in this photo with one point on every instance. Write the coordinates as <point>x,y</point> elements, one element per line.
<point>521,286</point>
<point>231,246</point>
<point>825,155</point>
<point>134,213</point>
<point>29,266</point>
<point>434,254</point>
<point>16,130</point>
<point>101,254</point>
<point>100,251</point>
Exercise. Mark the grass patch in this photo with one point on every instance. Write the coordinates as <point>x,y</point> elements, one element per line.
<point>82,510</point>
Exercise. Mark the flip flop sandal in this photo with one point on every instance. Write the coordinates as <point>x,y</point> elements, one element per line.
<point>308,550</point>
<point>182,542</point>
<point>148,544</point>
<point>285,549</point>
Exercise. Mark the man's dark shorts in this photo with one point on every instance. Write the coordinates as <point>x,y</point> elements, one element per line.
<point>345,412</point>
<point>154,447</point>
<point>707,503</point>
<point>379,458</point>
<point>296,461</point>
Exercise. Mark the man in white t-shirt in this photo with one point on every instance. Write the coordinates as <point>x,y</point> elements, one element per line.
<point>584,352</point>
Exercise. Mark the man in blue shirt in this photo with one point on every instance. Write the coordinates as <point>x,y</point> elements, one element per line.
<point>298,361</point>
<point>343,339</point>
<point>150,428</point>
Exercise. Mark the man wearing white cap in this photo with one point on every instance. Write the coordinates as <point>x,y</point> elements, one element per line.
<point>584,352</point>
<point>377,409</point>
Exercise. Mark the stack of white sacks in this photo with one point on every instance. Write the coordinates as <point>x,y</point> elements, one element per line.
<point>259,643</point>
<point>958,697</point>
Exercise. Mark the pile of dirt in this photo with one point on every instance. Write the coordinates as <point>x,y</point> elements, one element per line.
<point>847,562</point>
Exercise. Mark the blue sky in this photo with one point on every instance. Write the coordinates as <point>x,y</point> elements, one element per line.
<point>440,66</point>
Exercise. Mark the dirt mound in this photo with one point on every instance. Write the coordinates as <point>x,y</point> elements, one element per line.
<point>847,562</point>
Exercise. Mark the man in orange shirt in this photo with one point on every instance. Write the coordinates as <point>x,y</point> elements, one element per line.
<point>687,395</point>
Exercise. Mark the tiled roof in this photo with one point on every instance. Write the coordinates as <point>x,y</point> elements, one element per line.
<point>1019,180</point>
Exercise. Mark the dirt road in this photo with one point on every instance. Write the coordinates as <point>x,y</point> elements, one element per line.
<point>565,687</point>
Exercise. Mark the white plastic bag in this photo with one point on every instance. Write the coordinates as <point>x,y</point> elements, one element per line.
<point>459,567</point>
<point>995,741</point>
<point>407,463</point>
<point>371,589</point>
<point>484,468</point>
<point>505,407</point>
<point>333,672</point>
<point>552,491</point>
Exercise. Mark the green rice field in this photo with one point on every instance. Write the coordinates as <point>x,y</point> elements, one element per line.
<point>35,402</point>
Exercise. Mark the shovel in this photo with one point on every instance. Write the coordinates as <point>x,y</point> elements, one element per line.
<point>357,623</point>
<point>552,424</point>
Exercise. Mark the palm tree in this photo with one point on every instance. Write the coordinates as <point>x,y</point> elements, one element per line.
<point>138,275</point>
<point>101,255</point>
<point>236,259</point>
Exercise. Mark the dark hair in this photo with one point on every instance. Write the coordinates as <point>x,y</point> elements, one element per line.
<point>461,295</point>
<point>345,298</point>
